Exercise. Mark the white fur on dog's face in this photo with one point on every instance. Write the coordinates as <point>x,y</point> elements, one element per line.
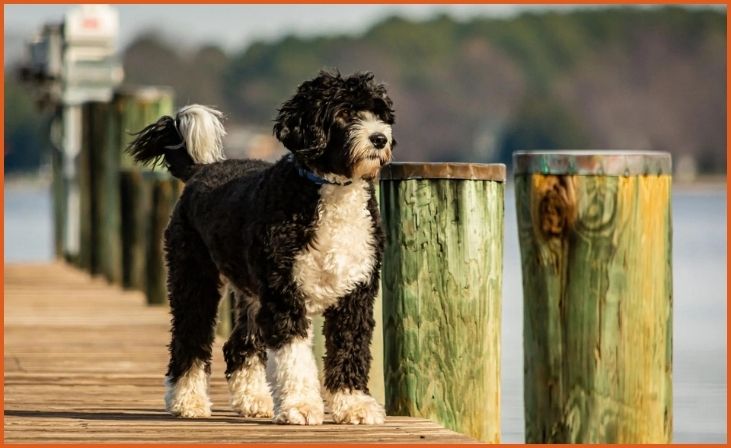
<point>366,159</point>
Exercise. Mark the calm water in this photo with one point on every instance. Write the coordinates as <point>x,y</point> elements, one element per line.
<point>699,267</point>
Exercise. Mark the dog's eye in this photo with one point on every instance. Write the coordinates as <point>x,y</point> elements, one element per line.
<point>343,115</point>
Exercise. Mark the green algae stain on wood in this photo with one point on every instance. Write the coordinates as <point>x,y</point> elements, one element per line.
<point>597,282</point>
<point>442,285</point>
<point>133,110</point>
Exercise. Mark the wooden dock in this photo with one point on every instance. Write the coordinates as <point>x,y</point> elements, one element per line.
<point>84,362</point>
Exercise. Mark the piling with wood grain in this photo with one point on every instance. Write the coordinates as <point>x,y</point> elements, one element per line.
<point>165,192</point>
<point>442,286</point>
<point>100,224</point>
<point>595,238</point>
<point>133,110</point>
<point>85,176</point>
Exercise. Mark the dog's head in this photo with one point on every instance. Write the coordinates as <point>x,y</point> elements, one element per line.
<point>339,126</point>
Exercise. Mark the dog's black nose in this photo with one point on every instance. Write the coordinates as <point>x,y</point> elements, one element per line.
<point>379,140</point>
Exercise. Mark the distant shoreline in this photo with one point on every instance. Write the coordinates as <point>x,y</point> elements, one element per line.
<point>25,180</point>
<point>706,182</point>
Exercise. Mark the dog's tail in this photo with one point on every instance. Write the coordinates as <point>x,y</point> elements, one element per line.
<point>193,137</point>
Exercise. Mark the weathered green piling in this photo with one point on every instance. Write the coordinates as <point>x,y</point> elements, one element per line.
<point>133,109</point>
<point>595,238</point>
<point>136,197</point>
<point>86,180</point>
<point>100,243</point>
<point>164,196</point>
<point>136,108</point>
<point>442,286</point>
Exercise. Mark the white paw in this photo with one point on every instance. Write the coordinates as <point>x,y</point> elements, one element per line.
<point>302,413</point>
<point>253,406</point>
<point>188,397</point>
<point>250,395</point>
<point>189,405</point>
<point>356,408</point>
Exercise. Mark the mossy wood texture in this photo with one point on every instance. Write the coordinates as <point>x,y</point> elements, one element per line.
<point>136,198</point>
<point>132,111</point>
<point>100,250</point>
<point>135,109</point>
<point>165,192</point>
<point>596,258</point>
<point>85,176</point>
<point>442,285</point>
<point>107,210</point>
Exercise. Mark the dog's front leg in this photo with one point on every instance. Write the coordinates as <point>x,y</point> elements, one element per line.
<point>291,369</point>
<point>348,331</point>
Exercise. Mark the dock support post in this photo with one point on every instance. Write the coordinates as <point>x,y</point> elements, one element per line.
<point>442,286</point>
<point>165,192</point>
<point>595,239</point>
<point>133,110</point>
<point>100,250</point>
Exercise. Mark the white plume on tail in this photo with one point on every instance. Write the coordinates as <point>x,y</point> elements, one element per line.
<point>203,132</point>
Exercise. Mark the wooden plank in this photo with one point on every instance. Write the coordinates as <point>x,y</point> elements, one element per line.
<point>442,286</point>
<point>84,362</point>
<point>597,285</point>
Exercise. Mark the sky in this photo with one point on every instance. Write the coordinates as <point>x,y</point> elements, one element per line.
<point>234,27</point>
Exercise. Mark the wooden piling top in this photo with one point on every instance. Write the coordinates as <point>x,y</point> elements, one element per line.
<point>465,171</point>
<point>592,163</point>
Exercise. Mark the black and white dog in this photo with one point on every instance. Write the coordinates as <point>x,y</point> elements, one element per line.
<point>292,239</point>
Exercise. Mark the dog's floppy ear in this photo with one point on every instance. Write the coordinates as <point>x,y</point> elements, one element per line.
<point>301,132</point>
<point>288,129</point>
<point>301,124</point>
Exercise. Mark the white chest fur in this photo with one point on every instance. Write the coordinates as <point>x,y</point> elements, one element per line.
<point>341,254</point>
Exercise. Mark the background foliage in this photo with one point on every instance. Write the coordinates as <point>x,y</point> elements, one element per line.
<point>476,90</point>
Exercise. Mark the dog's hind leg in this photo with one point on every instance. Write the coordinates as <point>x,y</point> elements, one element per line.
<point>348,329</point>
<point>245,355</point>
<point>193,282</point>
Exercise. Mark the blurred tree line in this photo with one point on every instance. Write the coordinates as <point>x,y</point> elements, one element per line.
<point>476,90</point>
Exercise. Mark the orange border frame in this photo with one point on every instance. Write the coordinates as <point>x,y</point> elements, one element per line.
<point>270,445</point>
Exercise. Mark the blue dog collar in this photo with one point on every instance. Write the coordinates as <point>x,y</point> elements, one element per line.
<point>314,178</point>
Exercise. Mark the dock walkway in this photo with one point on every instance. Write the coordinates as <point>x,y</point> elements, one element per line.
<point>84,362</point>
